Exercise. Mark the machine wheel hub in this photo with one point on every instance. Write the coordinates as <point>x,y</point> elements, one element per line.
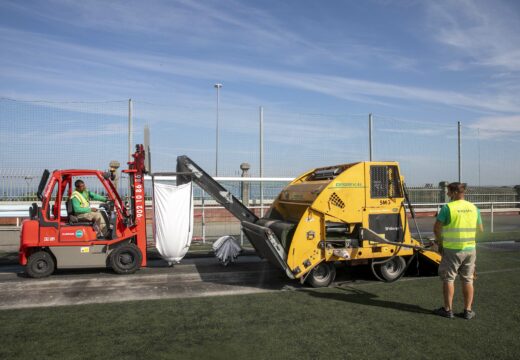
<point>321,272</point>
<point>392,267</point>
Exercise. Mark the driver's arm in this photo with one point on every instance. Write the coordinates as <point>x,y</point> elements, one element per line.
<point>97,197</point>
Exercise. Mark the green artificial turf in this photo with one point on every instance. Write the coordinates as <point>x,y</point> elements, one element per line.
<point>367,320</point>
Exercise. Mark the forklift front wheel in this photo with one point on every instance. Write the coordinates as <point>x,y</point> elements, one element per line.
<point>126,259</point>
<point>322,275</point>
<point>40,264</point>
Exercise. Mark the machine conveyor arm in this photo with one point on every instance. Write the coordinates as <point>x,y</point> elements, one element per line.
<point>188,170</point>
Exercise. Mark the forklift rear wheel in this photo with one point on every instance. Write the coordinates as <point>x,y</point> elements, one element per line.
<point>126,259</point>
<point>392,269</point>
<point>322,275</point>
<point>40,264</point>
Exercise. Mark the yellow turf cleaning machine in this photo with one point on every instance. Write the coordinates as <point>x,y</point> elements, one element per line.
<point>352,213</point>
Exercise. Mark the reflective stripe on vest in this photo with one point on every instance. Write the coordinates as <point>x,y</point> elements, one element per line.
<point>460,233</point>
<point>84,203</point>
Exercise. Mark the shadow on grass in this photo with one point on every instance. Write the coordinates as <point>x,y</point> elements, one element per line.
<point>357,296</point>
<point>246,272</point>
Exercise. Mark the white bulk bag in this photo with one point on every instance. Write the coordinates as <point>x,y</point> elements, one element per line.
<point>173,226</point>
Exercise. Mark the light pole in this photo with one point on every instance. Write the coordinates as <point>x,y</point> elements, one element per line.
<point>217,86</point>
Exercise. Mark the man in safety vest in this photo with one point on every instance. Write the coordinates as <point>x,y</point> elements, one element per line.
<point>81,204</point>
<point>455,232</point>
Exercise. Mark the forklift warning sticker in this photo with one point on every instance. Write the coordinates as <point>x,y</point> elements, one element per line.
<point>79,233</point>
<point>85,250</point>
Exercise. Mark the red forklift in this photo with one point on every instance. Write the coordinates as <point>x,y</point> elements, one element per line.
<point>50,239</point>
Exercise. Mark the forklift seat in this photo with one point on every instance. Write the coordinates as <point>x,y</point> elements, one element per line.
<point>73,219</point>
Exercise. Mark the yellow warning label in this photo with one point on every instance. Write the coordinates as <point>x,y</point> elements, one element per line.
<point>85,250</point>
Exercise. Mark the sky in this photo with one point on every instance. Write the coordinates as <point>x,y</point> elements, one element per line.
<point>317,68</point>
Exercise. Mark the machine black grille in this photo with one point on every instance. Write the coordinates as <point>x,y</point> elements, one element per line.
<point>385,182</point>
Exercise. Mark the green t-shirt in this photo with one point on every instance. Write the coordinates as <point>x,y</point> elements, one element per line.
<point>445,219</point>
<point>88,195</point>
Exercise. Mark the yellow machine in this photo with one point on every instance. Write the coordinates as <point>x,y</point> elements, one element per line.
<point>352,212</point>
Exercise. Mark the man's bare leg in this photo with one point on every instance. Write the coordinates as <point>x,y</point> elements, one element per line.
<point>467,291</point>
<point>448,290</point>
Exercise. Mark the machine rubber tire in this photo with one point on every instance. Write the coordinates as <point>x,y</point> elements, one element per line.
<point>40,264</point>
<point>393,269</point>
<point>322,275</point>
<point>126,259</point>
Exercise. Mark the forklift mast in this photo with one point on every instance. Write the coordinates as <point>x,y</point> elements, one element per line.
<point>136,171</point>
<point>136,211</point>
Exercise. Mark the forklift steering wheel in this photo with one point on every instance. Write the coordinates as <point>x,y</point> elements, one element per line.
<point>110,205</point>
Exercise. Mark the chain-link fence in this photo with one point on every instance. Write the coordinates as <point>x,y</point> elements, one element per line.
<point>429,152</point>
<point>38,134</point>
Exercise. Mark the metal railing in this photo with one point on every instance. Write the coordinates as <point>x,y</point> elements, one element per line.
<point>207,215</point>
<point>492,208</point>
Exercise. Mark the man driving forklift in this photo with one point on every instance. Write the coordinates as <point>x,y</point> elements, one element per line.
<point>81,205</point>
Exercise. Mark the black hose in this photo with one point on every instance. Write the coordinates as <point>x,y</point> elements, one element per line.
<point>412,212</point>
<point>397,277</point>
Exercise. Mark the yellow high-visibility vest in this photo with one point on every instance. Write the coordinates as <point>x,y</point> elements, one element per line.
<point>84,203</point>
<point>460,233</point>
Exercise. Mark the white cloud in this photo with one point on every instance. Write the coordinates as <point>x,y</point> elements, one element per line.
<point>210,25</point>
<point>137,68</point>
<point>498,126</point>
<point>422,132</point>
<point>484,32</point>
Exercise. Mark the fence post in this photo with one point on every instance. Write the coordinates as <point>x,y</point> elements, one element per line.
<point>458,147</point>
<point>261,161</point>
<point>492,218</point>
<point>244,185</point>
<point>370,136</point>
<point>130,129</point>
<point>517,188</point>
<point>443,192</point>
<point>203,220</point>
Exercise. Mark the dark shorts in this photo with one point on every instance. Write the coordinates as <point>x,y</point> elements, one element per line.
<point>455,263</point>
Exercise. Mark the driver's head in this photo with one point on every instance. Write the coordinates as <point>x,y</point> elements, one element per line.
<point>80,185</point>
